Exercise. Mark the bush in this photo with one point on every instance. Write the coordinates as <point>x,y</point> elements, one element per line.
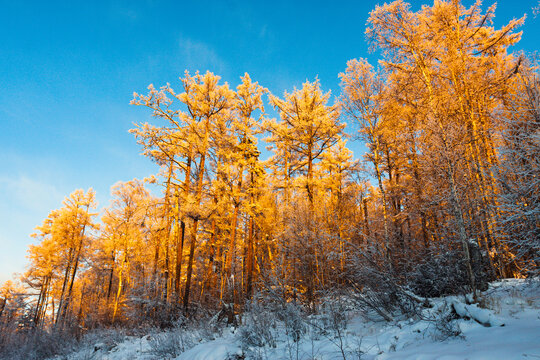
<point>334,315</point>
<point>445,324</point>
<point>446,274</point>
<point>294,319</point>
<point>170,344</point>
<point>37,345</point>
<point>375,288</point>
<point>260,328</point>
<point>184,334</point>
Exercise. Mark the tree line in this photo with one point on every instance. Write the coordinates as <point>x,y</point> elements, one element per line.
<point>446,197</point>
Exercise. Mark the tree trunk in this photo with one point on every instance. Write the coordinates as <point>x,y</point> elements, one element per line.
<point>75,267</point>
<point>250,259</point>
<point>366,221</point>
<point>180,243</point>
<point>376,162</point>
<point>64,285</point>
<point>200,177</point>
<point>458,215</point>
<point>234,225</point>
<point>109,287</point>
<point>168,231</point>
<point>190,263</point>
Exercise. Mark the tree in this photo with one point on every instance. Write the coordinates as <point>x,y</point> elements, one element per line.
<point>208,109</point>
<point>458,68</point>
<point>64,239</point>
<point>124,221</point>
<point>363,93</point>
<point>518,172</point>
<point>307,128</point>
<point>238,155</point>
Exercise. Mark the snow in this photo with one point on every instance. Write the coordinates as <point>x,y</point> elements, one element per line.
<point>131,348</point>
<point>518,339</point>
<point>215,350</point>
<point>510,308</point>
<point>482,316</point>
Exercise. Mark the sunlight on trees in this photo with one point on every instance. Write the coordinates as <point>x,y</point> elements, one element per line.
<point>451,123</point>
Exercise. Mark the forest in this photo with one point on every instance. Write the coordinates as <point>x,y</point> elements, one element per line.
<point>260,210</point>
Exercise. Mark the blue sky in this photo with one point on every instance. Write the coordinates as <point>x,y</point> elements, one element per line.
<point>68,70</point>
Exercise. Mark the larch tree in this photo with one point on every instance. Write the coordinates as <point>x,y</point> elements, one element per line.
<point>461,66</point>
<point>518,172</point>
<point>450,120</point>
<point>124,220</point>
<point>244,157</point>
<point>206,107</point>
<point>363,97</point>
<point>66,232</point>
<point>308,127</point>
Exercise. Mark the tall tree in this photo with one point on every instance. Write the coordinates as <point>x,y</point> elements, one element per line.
<point>68,229</point>
<point>307,128</point>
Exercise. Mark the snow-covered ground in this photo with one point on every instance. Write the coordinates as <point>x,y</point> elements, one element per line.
<point>507,326</point>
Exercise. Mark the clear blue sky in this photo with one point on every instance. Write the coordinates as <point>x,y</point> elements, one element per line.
<point>68,70</point>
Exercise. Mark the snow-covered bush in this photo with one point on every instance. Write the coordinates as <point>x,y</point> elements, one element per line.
<point>103,338</point>
<point>445,324</point>
<point>334,315</point>
<point>150,313</point>
<point>376,288</point>
<point>170,344</point>
<point>444,273</point>
<point>260,327</point>
<point>183,335</point>
<point>294,319</point>
<point>441,274</point>
<point>37,345</point>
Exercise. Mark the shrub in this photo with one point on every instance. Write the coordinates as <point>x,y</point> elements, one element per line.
<point>260,328</point>
<point>446,274</point>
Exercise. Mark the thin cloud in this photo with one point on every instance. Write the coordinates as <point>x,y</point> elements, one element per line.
<point>197,55</point>
<point>28,193</point>
<point>127,13</point>
<point>25,203</point>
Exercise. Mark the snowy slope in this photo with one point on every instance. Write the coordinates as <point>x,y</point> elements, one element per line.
<point>511,307</point>
<point>514,304</point>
